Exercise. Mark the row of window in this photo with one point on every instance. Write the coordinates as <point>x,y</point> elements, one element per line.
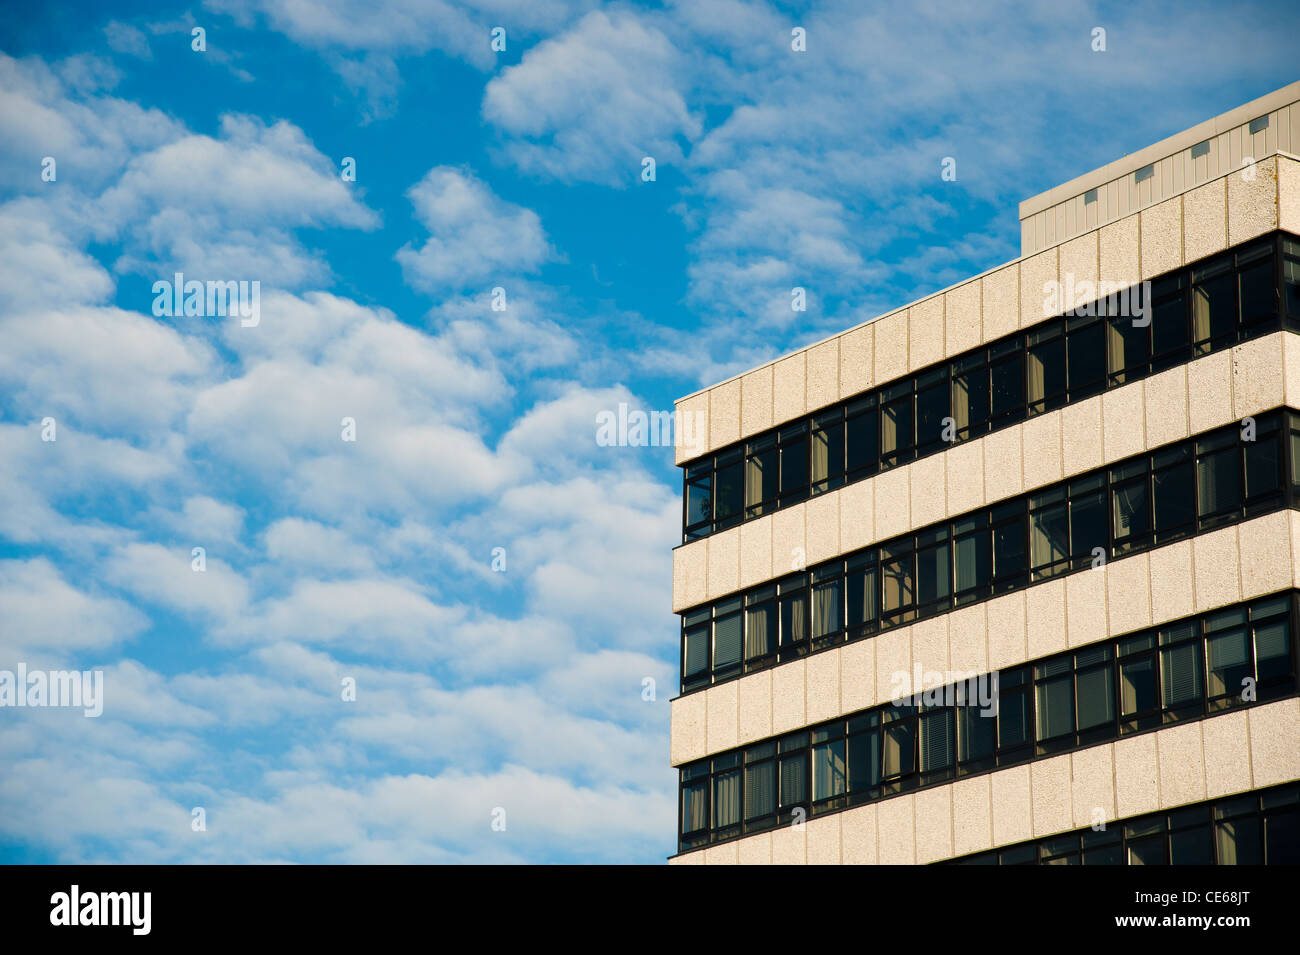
<point>1192,312</point>
<point>1258,828</point>
<point>1195,667</point>
<point>1190,487</point>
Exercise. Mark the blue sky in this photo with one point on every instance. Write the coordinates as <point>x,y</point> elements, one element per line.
<point>371,560</point>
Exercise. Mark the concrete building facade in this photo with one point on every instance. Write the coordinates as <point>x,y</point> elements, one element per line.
<point>1012,573</point>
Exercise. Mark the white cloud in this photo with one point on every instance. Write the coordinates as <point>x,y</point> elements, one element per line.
<point>45,614</point>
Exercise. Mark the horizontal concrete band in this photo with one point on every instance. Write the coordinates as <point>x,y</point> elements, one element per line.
<point>1190,226</point>
<point>1203,573</point>
<point>1187,763</point>
<point>1248,379</point>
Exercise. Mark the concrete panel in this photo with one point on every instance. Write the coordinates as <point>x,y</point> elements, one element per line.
<point>1012,806</point>
<point>1092,785</point>
<point>1045,614</point>
<point>933,825</point>
<point>823,681</point>
<point>823,530</point>
<point>691,858</point>
<point>857,524</point>
<point>892,503</point>
<point>1003,465</point>
<point>972,815</point>
<point>962,324</point>
<point>1252,203</point>
<point>789,388</point>
<point>722,722</point>
<point>1042,450</point>
<point>1119,252</point>
<point>1000,302</point>
<point>1165,400</point>
<point>1136,787</point>
<point>755,850</point>
<point>1291,369</point>
<point>688,738</point>
<point>1162,237</point>
<point>857,371</point>
<point>726,854</point>
<point>724,563</point>
<point>1080,263</point>
<point>1257,378</point>
<point>965,474</point>
<point>895,835</point>
<point>1288,189</point>
<point>789,551</point>
<point>823,374</point>
<point>893,662</point>
<point>1128,594</point>
<point>1274,755</point>
<point>925,333</point>
<point>929,495</point>
<point>1081,436</point>
<point>1205,220</point>
<point>756,401</point>
<point>891,347</point>
<point>1050,780</point>
<point>1172,595</point>
<point>1217,562</point>
<point>724,414</point>
<point>755,551</point>
<point>1039,278</point>
<point>1085,606</point>
<point>690,575</point>
<point>1265,546</point>
<point>790,845</point>
<point>754,705</point>
<point>1123,418</point>
<point>1209,392</point>
<point>930,650</point>
<point>1225,741</point>
<point>692,427</point>
<point>858,675</point>
<point>858,836</point>
<point>824,840</point>
<point>1182,766</point>
<point>788,710</point>
<point>968,639</point>
<point>1006,617</point>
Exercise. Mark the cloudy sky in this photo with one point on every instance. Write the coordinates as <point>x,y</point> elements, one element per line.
<point>477,689</point>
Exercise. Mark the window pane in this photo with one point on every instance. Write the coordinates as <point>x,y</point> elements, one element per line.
<point>794,465</point>
<point>698,501</point>
<point>864,761</point>
<point>1257,294</point>
<point>1147,852</point>
<point>936,740</point>
<point>1009,550</point>
<point>931,409</point>
<point>1137,684</point>
<point>900,589</point>
<point>932,575</point>
<point>861,585</point>
<point>900,747</point>
<point>794,780</point>
<point>760,479</point>
<point>1096,698</point>
<point>794,619</point>
<point>975,734</point>
<point>1218,483</point>
<point>730,491</point>
<point>1088,524</point>
<point>828,456</point>
<point>897,432</point>
<point>1291,285</point>
<point>828,770</point>
<point>1049,535</point>
<point>1273,650</point>
<point>695,804</point>
<point>697,652</point>
<point>1191,847</point>
<point>1013,720</point>
<point>970,400</point>
<point>1282,839</point>
<point>1087,359</point>
<point>971,553</point>
<point>1175,497</point>
<point>1129,348</point>
<point>1132,519</point>
<point>726,799</point>
<point>1046,374</point>
<point>1263,472</point>
<point>1008,379</point>
<point>1213,306</point>
<point>1168,324</point>
<point>1180,674</point>
<point>760,630</point>
<point>826,608</point>
<point>1055,707</point>
<point>1228,658</point>
<point>760,790</point>
<point>862,441</point>
<point>1238,842</point>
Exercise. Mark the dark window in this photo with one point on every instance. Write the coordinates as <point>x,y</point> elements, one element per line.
<point>1291,276</point>
<point>699,499</point>
<point>1010,562</point>
<point>827,453</point>
<point>1007,377</point>
<point>1257,288</point>
<point>1214,304</point>
<point>1049,533</point>
<point>1086,353</point>
<point>861,586</point>
<point>862,439</point>
<point>729,487</point>
<point>897,441</point>
<point>1218,479</point>
<point>794,464</point>
<point>932,393</point>
<point>1130,348</point>
<point>760,628</point>
<point>727,628</point>
<point>970,396</point>
<point>1046,368</point>
<point>1169,323</point>
<point>1173,487</point>
<point>794,618</point>
<point>761,478</point>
